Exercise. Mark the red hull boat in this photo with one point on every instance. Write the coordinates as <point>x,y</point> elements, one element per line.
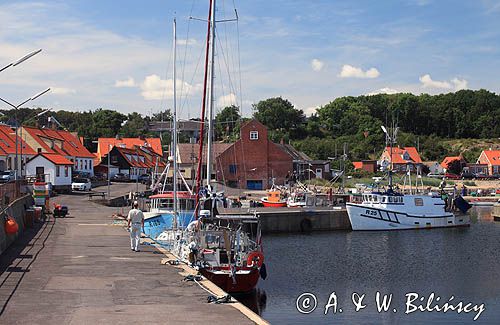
<point>245,279</point>
<point>267,204</point>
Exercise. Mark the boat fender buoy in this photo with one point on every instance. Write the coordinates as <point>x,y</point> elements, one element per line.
<point>255,258</point>
<point>11,226</point>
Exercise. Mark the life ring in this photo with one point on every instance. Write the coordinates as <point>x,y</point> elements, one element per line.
<point>255,257</point>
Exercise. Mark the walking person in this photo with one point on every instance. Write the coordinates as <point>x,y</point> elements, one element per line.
<point>135,224</point>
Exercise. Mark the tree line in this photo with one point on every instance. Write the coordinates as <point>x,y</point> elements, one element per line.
<point>425,121</point>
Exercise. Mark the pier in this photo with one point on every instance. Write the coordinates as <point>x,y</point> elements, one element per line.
<point>80,270</point>
<point>293,220</point>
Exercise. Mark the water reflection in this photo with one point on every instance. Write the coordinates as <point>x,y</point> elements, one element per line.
<point>255,300</point>
<point>463,262</point>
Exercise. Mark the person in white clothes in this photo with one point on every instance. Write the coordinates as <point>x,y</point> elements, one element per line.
<point>135,225</point>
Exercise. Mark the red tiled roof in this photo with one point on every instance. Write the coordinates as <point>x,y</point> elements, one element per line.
<point>71,143</point>
<point>188,152</point>
<point>447,160</point>
<point>357,164</point>
<point>493,157</point>
<point>398,153</point>
<point>133,161</point>
<point>105,143</point>
<point>55,158</point>
<point>8,142</point>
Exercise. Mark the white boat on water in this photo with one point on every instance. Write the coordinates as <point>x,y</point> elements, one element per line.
<point>390,210</point>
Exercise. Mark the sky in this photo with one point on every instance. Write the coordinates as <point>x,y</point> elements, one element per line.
<point>118,54</point>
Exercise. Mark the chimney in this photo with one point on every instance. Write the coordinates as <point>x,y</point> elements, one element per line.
<point>118,137</point>
<point>282,141</point>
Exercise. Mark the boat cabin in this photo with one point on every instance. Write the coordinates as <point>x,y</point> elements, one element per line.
<point>165,201</point>
<point>382,198</point>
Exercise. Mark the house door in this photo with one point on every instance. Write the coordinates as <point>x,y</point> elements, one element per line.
<point>254,185</point>
<point>40,174</point>
<point>319,173</point>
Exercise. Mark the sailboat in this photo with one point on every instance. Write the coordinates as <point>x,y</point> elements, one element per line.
<point>226,249</point>
<point>393,210</point>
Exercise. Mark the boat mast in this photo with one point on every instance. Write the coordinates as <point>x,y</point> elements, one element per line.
<point>202,124</point>
<point>174,145</point>
<point>211,96</point>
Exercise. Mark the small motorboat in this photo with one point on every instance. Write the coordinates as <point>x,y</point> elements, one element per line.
<point>273,199</point>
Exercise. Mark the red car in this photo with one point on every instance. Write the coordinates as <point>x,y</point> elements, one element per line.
<point>451,176</point>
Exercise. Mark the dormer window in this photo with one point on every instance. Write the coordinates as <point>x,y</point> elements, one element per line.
<point>254,135</point>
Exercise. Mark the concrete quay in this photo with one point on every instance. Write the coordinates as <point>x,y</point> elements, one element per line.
<point>80,270</point>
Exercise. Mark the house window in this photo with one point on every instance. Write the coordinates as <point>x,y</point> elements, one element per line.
<point>86,162</point>
<point>254,135</point>
<point>58,171</point>
<point>232,169</point>
<point>419,202</point>
<point>66,172</point>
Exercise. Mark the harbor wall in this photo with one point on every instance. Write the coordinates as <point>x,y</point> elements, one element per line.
<point>303,221</point>
<point>16,210</point>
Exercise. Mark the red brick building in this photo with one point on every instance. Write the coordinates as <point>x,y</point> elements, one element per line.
<point>253,161</point>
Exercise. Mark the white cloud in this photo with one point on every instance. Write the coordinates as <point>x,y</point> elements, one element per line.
<point>61,91</point>
<point>348,71</point>
<point>155,88</point>
<point>385,90</point>
<point>190,41</point>
<point>310,110</point>
<point>459,83</point>
<point>127,83</point>
<point>227,100</point>
<point>317,65</point>
<point>427,82</point>
<point>455,84</point>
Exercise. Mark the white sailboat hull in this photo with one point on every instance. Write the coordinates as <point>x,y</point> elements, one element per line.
<point>365,217</point>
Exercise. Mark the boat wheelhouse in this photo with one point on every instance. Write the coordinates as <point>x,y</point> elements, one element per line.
<point>161,213</point>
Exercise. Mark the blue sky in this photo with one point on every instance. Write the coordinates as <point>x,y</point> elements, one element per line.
<point>116,54</point>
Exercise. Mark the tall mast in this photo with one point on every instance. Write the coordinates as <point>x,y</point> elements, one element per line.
<point>211,96</point>
<point>203,103</point>
<point>174,145</point>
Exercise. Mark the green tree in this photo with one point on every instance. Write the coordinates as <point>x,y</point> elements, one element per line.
<point>281,118</point>
<point>134,127</point>
<point>227,122</point>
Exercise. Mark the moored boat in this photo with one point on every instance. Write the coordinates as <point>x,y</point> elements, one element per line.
<point>273,199</point>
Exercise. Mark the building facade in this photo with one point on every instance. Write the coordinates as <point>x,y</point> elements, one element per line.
<point>61,142</point>
<point>254,162</point>
<point>491,158</point>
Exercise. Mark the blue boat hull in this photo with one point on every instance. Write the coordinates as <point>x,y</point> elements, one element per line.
<point>155,225</point>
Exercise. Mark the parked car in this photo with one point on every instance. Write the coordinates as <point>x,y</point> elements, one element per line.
<point>467,175</point>
<point>7,176</point>
<point>451,176</point>
<point>81,184</point>
<point>144,178</point>
<point>120,177</point>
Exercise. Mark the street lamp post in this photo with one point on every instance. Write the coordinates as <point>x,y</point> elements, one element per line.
<point>16,107</point>
<point>21,60</point>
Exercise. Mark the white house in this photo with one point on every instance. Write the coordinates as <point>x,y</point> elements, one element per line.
<point>63,143</point>
<point>434,167</point>
<point>51,168</point>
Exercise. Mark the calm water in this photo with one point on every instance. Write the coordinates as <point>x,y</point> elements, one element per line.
<point>464,263</point>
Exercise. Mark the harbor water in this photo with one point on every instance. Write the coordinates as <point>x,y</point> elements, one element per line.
<point>456,264</point>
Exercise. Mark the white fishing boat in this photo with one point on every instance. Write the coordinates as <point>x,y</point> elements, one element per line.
<point>391,210</point>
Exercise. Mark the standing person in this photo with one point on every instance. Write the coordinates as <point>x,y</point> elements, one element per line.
<point>135,224</point>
